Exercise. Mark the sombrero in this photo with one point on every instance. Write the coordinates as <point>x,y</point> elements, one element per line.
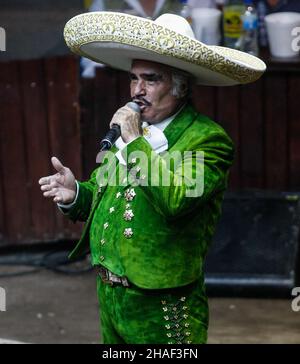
<point>116,39</point>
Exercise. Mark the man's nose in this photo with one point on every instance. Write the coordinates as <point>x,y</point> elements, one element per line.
<point>139,88</point>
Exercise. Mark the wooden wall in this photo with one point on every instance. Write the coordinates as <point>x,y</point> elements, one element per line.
<point>39,117</point>
<point>263,119</point>
<point>46,109</point>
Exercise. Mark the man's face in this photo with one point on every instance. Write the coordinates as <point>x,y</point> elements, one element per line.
<point>150,87</point>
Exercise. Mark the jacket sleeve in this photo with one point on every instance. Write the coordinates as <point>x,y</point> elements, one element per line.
<point>81,209</point>
<point>209,159</point>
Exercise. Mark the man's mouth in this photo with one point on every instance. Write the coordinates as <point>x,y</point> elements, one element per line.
<point>143,104</point>
<point>143,107</point>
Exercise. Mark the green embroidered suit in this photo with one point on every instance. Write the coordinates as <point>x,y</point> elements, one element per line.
<point>164,243</point>
<point>156,235</point>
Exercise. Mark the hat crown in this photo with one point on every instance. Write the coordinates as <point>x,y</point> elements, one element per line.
<point>176,23</point>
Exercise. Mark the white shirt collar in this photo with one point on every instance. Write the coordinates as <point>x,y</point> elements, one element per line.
<point>164,123</point>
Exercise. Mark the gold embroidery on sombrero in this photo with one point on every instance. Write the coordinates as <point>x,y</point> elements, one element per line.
<point>142,33</point>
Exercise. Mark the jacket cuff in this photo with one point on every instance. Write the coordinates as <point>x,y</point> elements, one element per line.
<point>77,210</point>
<point>64,207</point>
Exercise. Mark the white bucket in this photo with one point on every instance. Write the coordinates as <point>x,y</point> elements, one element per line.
<point>284,34</point>
<point>206,25</point>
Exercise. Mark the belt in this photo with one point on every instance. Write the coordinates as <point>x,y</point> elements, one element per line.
<point>110,278</point>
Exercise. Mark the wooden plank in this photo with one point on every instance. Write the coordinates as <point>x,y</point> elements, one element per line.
<point>87,125</point>
<point>106,99</point>
<point>38,151</point>
<point>97,108</point>
<point>14,159</point>
<point>99,99</point>
<point>123,88</point>
<point>227,114</point>
<point>252,136</point>
<point>62,82</point>
<point>3,232</point>
<point>105,104</point>
<point>294,131</point>
<point>276,142</point>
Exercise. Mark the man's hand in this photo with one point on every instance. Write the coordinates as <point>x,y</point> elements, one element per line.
<point>61,186</point>
<point>129,122</point>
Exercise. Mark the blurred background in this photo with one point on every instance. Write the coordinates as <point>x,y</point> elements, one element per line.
<point>54,103</point>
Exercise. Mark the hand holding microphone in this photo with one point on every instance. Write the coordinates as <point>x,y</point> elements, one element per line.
<point>125,122</point>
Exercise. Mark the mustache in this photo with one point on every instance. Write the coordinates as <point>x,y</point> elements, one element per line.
<point>141,101</point>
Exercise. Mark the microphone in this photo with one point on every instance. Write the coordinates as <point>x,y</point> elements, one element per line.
<point>114,133</point>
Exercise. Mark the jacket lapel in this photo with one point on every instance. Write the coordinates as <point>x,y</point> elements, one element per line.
<point>181,122</point>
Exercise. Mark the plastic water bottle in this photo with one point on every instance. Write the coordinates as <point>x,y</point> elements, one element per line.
<point>262,30</point>
<point>220,4</point>
<point>232,22</point>
<point>249,39</point>
<point>185,11</point>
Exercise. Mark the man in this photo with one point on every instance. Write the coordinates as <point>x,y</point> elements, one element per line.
<point>148,239</point>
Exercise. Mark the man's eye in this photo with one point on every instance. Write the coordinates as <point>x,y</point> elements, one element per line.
<point>132,78</point>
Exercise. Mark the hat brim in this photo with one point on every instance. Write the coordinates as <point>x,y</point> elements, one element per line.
<point>116,39</point>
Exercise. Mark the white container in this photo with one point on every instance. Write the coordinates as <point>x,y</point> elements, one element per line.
<point>207,25</point>
<point>284,34</point>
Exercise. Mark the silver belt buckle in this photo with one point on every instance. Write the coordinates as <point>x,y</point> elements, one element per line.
<point>104,274</point>
<point>125,282</point>
<point>110,278</point>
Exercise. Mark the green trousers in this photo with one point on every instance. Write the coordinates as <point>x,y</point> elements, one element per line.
<point>137,316</point>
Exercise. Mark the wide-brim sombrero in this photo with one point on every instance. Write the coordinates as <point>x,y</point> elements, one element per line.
<point>116,39</point>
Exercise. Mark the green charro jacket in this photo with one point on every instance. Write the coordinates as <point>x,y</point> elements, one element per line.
<point>157,236</point>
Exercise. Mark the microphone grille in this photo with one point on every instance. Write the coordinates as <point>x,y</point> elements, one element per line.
<point>133,106</point>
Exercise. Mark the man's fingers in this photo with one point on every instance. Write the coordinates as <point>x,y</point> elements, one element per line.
<point>57,164</point>
<point>56,177</point>
<point>57,199</point>
<point>48,187</point>
<point>44,181</point>
<point>50,180</point>
<point>114,121</point>
<point>50,193</point>
<point>120,115</point>
<point>56,193</point>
